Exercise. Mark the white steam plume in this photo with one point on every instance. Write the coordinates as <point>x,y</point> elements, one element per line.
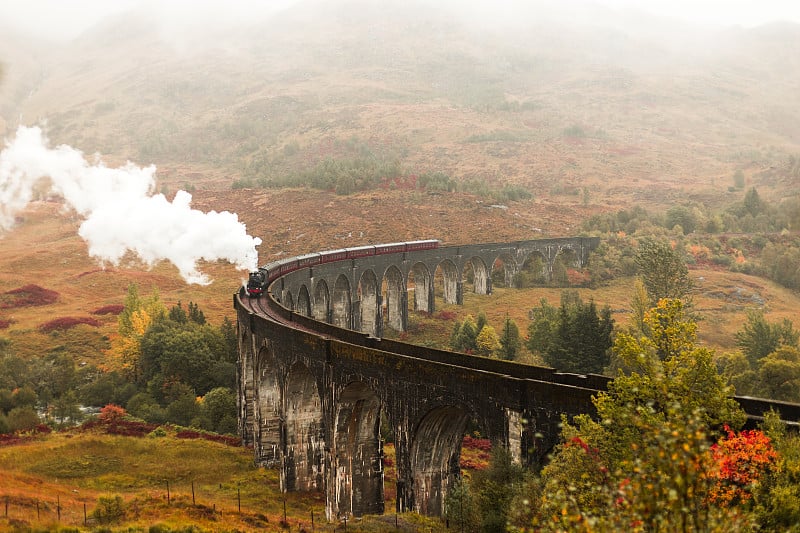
<point>120,210</point>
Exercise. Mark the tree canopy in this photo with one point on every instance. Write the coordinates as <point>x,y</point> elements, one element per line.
<point>663,270</point>
<point>573,338</point>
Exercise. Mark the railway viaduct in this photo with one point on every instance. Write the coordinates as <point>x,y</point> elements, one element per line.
<point>318,386</point>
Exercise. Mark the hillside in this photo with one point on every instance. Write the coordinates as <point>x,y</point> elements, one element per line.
<point>549,103</point>
<point>588,111</point>
<point>166,480</point>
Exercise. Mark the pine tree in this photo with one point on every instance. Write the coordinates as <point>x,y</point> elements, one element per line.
<point>510,342</point>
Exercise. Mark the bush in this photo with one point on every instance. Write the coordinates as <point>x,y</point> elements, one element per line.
<point>109,510</point>
<point>22,418</point>
<point>113,309</point>
<point>27,296</point>
<point>64,323</point>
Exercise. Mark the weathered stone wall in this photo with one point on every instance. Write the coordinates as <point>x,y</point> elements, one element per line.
<point>312,395</point>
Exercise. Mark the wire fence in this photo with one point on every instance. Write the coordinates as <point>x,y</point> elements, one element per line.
<point>195,501</point>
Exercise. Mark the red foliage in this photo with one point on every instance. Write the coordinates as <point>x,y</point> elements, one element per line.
<point>27,296</point>
<point>213,437</point>
<point>18,437</point>
<point>126,428</point>
<point>446,315</point>
<point>113,309</point>
<point>112,413</point>
<point>742,459</point>
<point>578,278</point>
<point>484,445</point>
<point>67,322</point>
<point>468,464</point>
<point>5,323</point>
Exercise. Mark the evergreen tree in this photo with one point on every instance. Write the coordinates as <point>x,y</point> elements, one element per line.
<point>573,338</point>
<point>758,337</point>
<point>465,336</point>
<point>196,315</point>
<point>510,342</point>
<point>543,326</point>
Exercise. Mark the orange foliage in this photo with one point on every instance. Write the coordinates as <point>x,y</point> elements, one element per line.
<point>741,459</point>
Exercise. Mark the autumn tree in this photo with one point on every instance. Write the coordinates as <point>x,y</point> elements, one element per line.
<point>487,342</point>
<point>644,459</point>
<point>777,495</point>
<point>663,270</point>
<point>133,321</point>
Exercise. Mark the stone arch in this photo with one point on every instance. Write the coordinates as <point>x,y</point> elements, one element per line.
<point>535,270</point>
<point>435,453</point>
<point>504,268</point>
<point>303,461</point>
<point>268,412</point>
<point>358,464</point>
<point>475,276</point>
<point>287,301</point>
<point>394,299</point>
<point>566,259</point>
<point>341,303</point>
<point>421,280</point>
<point>446,276</point>
<point>246,390</point>
<point>368,303</point>
<point>320,306</point>
<point>303,301</point>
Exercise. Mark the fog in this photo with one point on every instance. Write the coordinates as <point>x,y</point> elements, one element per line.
<point>58,20</point>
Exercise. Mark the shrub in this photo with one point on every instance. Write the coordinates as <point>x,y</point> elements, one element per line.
<point>27,296</point>
<point>64,323</point>
<point>22,418</point>
<point>112,413</point>
<point>109,510</point>
<point>113,309</point>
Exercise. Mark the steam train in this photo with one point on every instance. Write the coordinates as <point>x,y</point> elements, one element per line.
<point>260,279</point>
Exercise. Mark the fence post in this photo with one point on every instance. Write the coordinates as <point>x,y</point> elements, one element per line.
<point>84,513</point>
<point>167,492</point>
<point>6,506</point>
<point>239,498</point>
<point>192,492</point>
<point>58,507</point>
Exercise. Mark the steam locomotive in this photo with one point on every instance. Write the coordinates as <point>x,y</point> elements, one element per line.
<point>259,280</point>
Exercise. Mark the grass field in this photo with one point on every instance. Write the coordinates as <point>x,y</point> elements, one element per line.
<point>50,481</point>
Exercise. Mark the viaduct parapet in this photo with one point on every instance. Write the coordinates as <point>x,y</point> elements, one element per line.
<point>318,386</point>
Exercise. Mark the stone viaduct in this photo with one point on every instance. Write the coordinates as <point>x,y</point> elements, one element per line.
<point>318,386</point>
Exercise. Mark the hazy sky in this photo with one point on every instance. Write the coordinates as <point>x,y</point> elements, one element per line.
<point>67,18</point>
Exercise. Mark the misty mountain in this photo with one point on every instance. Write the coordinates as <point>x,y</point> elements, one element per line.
<point>435,85</point>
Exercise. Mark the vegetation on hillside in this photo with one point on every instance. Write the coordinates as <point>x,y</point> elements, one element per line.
<point>663,452</point>
<point>162,365</point>
<point>749,236</point>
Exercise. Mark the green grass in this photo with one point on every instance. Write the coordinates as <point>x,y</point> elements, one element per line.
<point>206,483</point>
